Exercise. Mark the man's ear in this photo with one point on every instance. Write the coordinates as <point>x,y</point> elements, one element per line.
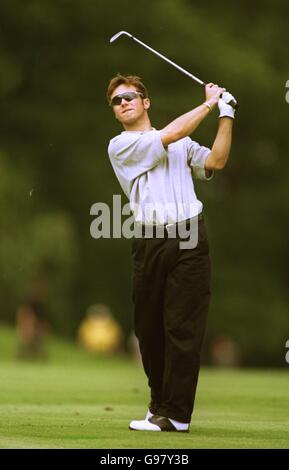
<point>146,103</point>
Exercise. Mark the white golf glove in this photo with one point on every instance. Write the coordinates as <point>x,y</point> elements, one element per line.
<point>225,108</point>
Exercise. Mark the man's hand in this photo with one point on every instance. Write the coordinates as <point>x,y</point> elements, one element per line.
<point>213,93</point>
<point>225,108</point>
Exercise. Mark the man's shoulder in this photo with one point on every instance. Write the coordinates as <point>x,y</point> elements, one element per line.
<point>185,141</point>
<point>182,144</point>
<point>114,143</point>
<point>189,141</point>
<point>114,139</point>
<point>127,138</point>
<point>124,136</point>
<point>121,141</point>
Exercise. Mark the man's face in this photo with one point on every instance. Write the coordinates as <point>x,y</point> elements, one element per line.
<point>129,112</point>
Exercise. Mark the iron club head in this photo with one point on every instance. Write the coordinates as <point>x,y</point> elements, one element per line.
<point>117,35</point>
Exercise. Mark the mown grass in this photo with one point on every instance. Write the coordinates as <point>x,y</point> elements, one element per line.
<point>76,401</point>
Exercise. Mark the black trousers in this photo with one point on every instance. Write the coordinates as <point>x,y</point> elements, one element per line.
<point>171,293</point>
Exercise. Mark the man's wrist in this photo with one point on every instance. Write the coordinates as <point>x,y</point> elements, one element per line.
<point>210,103</point>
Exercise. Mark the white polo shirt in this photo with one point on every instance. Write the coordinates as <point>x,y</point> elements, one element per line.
<point>158,181</point>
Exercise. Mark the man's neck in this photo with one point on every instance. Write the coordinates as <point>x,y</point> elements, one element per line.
<point>140,126</point>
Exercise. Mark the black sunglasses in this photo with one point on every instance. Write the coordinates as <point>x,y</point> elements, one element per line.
<point>127,96</point>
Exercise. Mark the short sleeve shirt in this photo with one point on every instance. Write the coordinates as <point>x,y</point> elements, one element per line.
<point>158,181</point>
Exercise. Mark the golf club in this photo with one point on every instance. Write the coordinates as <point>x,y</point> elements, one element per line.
<point>233,103</point>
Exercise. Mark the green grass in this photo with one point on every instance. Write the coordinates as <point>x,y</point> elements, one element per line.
<point>75,401</point>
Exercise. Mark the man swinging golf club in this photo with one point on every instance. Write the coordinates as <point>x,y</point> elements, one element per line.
<point>171,285</point>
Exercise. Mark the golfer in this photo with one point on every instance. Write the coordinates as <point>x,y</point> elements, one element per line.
<point>171,284</point>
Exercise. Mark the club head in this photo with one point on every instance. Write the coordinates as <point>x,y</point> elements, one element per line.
<point>117,35</point>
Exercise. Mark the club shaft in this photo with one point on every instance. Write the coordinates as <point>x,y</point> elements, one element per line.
<point>193,77</point>
<point>233,103</point>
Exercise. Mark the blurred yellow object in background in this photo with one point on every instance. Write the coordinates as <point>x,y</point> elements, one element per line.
<point>99,332</point>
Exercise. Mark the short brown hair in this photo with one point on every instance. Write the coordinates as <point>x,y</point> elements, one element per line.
<point>126,80</point>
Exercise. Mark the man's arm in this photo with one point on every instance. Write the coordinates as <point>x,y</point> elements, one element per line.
<point>219,155</point>
<point>186,124</point>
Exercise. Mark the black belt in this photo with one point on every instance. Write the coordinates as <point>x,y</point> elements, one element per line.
<point>164,231</point>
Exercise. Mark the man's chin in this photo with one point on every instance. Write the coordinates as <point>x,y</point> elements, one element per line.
<point>127,120</point>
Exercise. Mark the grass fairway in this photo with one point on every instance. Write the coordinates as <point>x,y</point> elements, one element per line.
<point>72,401</point>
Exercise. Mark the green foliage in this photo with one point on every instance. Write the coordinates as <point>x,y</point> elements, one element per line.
<point>34,246</point>
<point>55,63</point>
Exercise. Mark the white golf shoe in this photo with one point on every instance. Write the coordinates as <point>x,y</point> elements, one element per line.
<point>159,423</point>
<point>143,425</point>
